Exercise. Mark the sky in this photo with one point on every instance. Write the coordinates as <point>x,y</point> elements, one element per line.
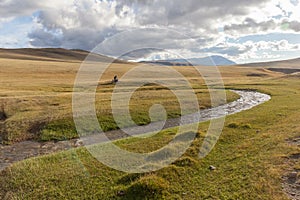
<point>241,30</point>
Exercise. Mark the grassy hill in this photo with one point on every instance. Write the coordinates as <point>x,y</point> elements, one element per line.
<point>291,63</point>
<point>53,54</point>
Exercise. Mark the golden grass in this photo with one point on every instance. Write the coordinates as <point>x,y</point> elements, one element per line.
<point>34,93</point>
<point>250,157</point>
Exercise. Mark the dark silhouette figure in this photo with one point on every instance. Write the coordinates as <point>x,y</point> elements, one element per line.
<point>115,80</point>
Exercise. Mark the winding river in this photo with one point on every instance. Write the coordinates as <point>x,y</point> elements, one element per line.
<point>20,151</point>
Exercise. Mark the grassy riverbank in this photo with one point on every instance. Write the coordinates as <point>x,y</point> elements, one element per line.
<point>250,160</point>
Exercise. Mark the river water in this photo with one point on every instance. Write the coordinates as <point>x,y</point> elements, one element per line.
<point>20,151</point>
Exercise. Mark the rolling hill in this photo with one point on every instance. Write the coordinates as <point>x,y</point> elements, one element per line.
<point>53,54</point>
<point>290,63</point>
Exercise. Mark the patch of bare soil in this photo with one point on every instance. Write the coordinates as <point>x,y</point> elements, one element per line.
<point>257,74</point>
<point>22,150</point>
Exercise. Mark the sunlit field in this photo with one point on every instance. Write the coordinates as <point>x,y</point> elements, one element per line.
<point>36,97</point>
<point>252,155</point>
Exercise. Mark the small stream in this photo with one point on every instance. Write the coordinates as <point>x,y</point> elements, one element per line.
<point>20,151</point>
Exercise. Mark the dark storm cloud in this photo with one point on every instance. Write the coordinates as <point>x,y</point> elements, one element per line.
<point>192,14</point>
<point>251,26</point>
<point>82,25</point>
<point>293,25</point>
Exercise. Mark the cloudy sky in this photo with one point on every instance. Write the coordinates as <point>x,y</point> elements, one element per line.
<point>240,30</point>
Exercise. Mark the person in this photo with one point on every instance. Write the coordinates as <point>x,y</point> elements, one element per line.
<point>115,79</point>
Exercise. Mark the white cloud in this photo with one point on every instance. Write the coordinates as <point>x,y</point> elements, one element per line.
<point>275,15</point>
<point>249,50</point>
<point>85,23</point>
<point>98,19</point>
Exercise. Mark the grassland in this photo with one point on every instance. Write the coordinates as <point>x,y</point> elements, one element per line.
<point>250,160</point>
<point>36,97</point>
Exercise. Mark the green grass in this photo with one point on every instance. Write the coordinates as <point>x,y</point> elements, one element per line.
<point>250,158</point>
<point>50,117</point>
<point>64,128</point>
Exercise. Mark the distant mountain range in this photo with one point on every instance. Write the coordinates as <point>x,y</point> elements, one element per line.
<point>206,61</point>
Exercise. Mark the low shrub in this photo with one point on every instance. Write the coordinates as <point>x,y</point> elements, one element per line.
<point>247,126</point>
<point>185,161</point>
<point>233,125</point>
<point>148,187</point>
